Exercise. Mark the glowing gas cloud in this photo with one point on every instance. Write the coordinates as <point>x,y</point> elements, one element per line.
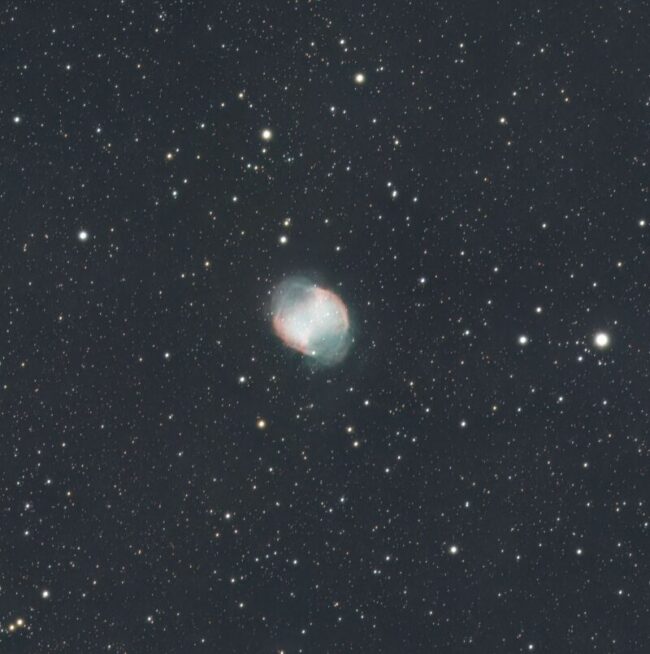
<point>312,320</point>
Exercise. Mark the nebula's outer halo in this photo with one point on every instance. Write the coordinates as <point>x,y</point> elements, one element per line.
<point>312,320</point>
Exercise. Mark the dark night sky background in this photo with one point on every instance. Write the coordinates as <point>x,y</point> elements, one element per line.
<point>447,487</point>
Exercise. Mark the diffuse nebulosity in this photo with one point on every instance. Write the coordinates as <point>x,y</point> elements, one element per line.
<point>312,320</point>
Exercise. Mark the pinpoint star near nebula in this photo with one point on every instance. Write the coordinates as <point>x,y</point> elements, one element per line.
<point>311,320</point>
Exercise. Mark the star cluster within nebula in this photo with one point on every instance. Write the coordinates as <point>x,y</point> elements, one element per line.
<point>312,320</point>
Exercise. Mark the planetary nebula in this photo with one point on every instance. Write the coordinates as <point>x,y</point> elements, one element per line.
<point>312,320</point>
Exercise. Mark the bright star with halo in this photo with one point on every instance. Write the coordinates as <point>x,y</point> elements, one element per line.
<point>601,340</point>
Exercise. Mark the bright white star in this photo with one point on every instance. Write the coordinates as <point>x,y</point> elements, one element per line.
<point>601,340</point>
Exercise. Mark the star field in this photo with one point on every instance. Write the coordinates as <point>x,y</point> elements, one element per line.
<point>470,182</point>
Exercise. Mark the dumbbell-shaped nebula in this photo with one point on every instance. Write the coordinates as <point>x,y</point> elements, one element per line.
<point>312,320</point>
